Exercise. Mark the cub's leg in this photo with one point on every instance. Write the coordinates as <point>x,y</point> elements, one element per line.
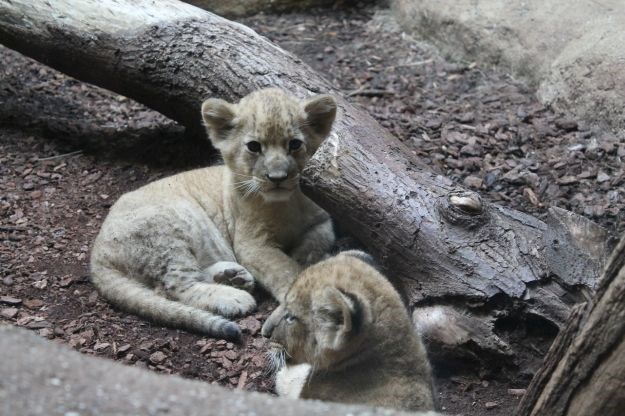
<point>290,380</point>
<point>272,267</point>
<point>315,244</point>
<point>220,299</point>
<point>276,270</point>
<point>171,249</point>
<point>185,282</point>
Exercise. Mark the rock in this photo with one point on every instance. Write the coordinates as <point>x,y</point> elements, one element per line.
<point>206,347</point>
<point>251,325</point>
<point>146,345</point>
<point>87,335</point>
<point>573,54</point>
<point>490,405</point>
<point>576,147</point>
<point>106,387</point>
<point>471,150</point>
<point>121,350</point>
<point>157,357</point>
<point>531,196</point>
<point>38,324</point>
<point>566,124</point>
<point>490,178</point>
<point>9,313</point>
<point>602,177</point>
<point>33,303</point>
<point>93,298</point>
<point>521,177</point>
<point>100,346</point>
<point>226,363</point>
<point>46,333</point>
<point>242,380</point>
<point>92,178</point>
<point>517,392</point>
<point>472,182</point>
<point>607,146</point>
<point>24,320</point>
<point>66,282</point>
<point>41,284</point>
<point>10,300</point>
<point>567,180</point>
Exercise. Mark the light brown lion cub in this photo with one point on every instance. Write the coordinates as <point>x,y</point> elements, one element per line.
<point>347,337</point>
<point>182,249</point>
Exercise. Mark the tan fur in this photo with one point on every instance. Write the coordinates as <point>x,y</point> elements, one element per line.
<point>182,249</point>
<point>346,322</point>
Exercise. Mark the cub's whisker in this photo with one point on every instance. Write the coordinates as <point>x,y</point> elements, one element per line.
<point>276,361</point>
<point>240,174</point>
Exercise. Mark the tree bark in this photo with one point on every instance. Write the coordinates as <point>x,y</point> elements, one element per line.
<point>584,371</point>
<point>444,244</point>
<point>239,8</point>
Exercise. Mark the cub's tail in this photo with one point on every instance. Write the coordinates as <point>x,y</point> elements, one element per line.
<point>135,298</point>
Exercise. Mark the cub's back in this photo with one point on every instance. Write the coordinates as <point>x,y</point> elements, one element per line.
<point>204,186</point>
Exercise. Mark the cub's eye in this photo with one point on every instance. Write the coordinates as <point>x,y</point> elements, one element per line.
<point>253,146</point>
<point>295,144</point>
<point>289,318</point>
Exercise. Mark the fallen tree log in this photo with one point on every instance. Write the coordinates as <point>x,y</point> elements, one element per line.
<point>238,8</point>
<point>444,244</point>
<point>584,371</point>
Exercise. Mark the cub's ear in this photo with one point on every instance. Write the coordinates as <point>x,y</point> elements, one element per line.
<point>218,116</point>
<point>361,255</point>
<point>337,316</point>
<point>320,114</point>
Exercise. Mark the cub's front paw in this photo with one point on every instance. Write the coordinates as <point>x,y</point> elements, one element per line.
<point>234,302</point>
<point>232,274</point>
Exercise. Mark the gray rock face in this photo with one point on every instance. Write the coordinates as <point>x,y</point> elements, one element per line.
<point>572,50</point>
<point>38,377</point>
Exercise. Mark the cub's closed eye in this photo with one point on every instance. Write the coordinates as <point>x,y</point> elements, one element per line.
<point>295,144</point>
<point>253,146</point>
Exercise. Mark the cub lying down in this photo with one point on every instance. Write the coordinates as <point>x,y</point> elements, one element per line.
<point>347,337</point>
<point>182,250</point>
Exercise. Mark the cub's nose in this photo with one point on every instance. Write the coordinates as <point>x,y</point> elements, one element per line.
<point>267,328</point>
<point>276,177</point>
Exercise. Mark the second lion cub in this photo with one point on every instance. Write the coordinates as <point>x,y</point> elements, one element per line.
<point>347,338</point>
<point>185,249</point>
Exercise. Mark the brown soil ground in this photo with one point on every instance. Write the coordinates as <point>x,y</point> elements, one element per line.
<point>68,150</point>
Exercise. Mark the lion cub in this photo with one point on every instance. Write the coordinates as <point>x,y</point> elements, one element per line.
<point>184,249</point>
<point>347,337</point>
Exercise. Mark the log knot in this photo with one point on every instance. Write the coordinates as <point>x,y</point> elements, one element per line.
<point>463,208</point>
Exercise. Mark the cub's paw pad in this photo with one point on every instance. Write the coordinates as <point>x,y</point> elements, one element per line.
<point>237,277</point>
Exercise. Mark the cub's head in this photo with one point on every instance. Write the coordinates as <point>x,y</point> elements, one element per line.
<point>267,137</point>
<point>326,317</point>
